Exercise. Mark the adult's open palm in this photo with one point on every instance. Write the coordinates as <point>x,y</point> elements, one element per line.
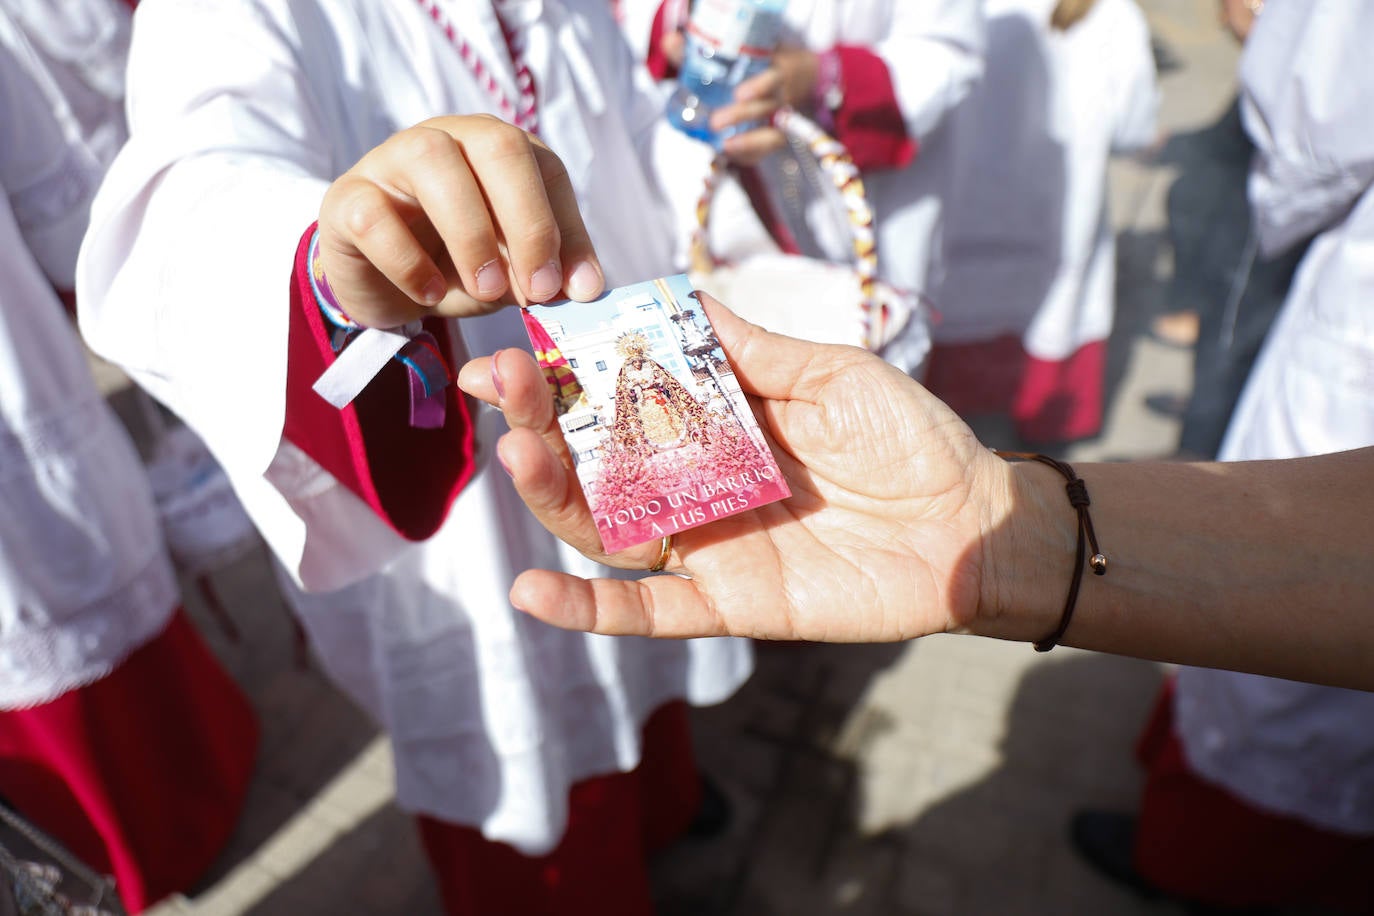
<point>880,540</point>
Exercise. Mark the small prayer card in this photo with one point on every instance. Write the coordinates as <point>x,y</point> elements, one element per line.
<point>662,437</point>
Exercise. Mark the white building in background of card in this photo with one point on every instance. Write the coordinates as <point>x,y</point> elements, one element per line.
<point>593,359</point>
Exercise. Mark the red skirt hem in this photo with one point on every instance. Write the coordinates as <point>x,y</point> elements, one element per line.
<point>1048,400</point>
<point>615,823</point>
<point>141,774</point>
<point>1198,841</point>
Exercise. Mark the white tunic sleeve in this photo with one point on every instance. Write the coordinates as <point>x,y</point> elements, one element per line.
<point>222,153</point>
<point>1308,113</point>
<point>1131,67</point>
<point>185,275</point>
<point>934,52</point>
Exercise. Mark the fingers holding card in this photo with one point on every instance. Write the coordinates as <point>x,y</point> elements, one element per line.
<point>660,435</point>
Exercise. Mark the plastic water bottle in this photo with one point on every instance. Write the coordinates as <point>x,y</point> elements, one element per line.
<point>728,41</point>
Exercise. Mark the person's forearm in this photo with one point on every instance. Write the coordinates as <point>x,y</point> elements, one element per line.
<point>1265,567</point>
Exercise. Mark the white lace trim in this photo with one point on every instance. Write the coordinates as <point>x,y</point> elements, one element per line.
<point>1295,750</point>
<point>38,665</point>
<point>47,649</point>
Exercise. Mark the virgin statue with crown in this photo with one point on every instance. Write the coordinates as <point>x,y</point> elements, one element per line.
<point>654,412</point>
<point>662,438</point>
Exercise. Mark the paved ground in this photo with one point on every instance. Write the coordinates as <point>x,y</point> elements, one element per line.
<point>931,778</point>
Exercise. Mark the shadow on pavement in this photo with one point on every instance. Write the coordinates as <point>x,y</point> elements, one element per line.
<point>996,845</point>
<point>310,731</point>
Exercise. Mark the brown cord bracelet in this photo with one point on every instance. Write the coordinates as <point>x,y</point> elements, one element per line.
<point>1078,498</point>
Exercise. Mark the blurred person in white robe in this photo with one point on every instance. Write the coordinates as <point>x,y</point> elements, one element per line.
<point>542,765</point>
<point>882,78</point>
<point>1224,294</point>
<point>120,734</point>
<point>1259,791</point>
<point>1028,296</point>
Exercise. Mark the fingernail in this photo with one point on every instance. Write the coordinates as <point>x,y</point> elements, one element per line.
<point>505,467</point>
<point>585,281</point>
<point>496,378</point>
<point>434,291</point>
<point>546,281</point>
<point>491,279</point>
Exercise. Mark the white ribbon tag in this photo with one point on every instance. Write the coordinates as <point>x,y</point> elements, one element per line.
<point>360,361</point>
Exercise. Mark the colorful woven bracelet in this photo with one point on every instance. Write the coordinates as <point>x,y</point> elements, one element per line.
<point>428,372</point>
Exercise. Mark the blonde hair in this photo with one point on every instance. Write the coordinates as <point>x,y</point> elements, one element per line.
<point>1068,13</point>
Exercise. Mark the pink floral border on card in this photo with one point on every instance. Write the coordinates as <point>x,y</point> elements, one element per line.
<point>663,437</point>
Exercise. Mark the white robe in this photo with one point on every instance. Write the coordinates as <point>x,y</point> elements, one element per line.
<point>184,282</point>
<point>84,578</point>
<point>933,50</point>
<point>83,46</point>
<point>636,19</point>
<point>1297,749</point>
<point>1029,248</point>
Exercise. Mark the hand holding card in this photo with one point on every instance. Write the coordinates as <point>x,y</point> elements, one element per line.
<point>660,434</point>
<point>880,539</point>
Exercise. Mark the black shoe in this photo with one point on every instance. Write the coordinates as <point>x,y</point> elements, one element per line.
<point>714,816</point>
<point>1170,406</point>
<point>1106,840</point>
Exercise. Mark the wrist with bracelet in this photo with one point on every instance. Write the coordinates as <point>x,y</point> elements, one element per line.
<point>1077,492</point>
<point>354,367</point>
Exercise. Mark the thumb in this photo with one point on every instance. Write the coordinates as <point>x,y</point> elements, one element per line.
<point>773,365</point>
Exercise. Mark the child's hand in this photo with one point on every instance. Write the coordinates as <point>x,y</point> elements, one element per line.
<point>455,216</point>
<point>789,81</point>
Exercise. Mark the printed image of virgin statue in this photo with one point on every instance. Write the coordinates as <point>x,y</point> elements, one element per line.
<point>653,411</point>
<point>661,435</point>
<point>663,440</point>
